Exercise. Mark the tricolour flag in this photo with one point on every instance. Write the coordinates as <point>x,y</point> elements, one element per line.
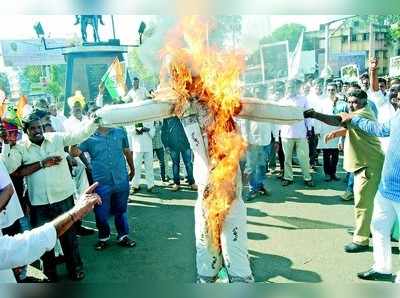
<point>113,80</point>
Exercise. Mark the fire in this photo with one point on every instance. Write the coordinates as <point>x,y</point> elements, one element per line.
<point>211,76</point>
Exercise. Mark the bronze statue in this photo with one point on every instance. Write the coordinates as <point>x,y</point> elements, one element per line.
<point>86,20</point>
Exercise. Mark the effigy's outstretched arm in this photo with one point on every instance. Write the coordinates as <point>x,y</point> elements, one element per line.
<point>131,113</point>
<point>269,111</point>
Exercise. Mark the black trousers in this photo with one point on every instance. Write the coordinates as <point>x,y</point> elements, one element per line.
<point>281,156</point>
<point>312,145</point>
<point>45,213</point>
<point>331,158</point>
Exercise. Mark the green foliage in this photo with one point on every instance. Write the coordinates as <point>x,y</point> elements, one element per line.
<point>33,73</point>
<point>225,27</point>
<point>4,83</point>
<point>57,80</point>
<point>290,32</point>
<point>140,69</point>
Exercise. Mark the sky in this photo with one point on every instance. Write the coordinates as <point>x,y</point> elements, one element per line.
<point>21,26</point>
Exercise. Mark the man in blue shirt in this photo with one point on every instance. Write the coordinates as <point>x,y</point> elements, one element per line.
<point>387,200</point>
<point>107,148</point>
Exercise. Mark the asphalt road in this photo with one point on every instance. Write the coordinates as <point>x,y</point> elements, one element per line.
<point>295,235</point>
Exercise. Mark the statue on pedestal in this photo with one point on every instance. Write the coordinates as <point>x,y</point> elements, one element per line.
<point>86,20</point>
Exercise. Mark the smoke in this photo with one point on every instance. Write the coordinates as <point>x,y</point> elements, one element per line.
<point>149,51</point>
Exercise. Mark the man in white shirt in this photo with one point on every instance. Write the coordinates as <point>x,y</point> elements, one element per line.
<point>137,93</point>
<point>296,135</point>
<point>142,148</point>
<point>385,108</point>
<point>23,249</point>
<point>315,99</point>
<point>331,105</point>
<point>49,198</point>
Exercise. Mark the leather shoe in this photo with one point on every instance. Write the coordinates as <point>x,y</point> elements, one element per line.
<point>286,182</point>
<point>354,248</point>
<point>371,274</point>
<point>309,183</point>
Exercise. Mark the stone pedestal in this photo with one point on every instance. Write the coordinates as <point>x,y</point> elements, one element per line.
<point>86,65</point>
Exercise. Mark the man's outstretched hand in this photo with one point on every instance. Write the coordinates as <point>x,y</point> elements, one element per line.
<point>86,202</point>
<point>309,113</point>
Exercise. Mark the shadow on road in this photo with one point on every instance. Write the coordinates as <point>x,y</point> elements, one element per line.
<point>266,267</point>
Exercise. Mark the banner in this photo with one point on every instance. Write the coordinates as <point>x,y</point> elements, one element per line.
<point>295,60</point>
<point>253,75</point>
<point>394,66</point>
<point>275,61</point>
<point>349,73</point>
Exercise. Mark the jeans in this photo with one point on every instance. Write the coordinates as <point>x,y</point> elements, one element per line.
<point>115,202</point>
<point>160,156</point>
<point>187,160</point>
<point>350,182</point>
<point>45,213</point>
<point>257,157</point>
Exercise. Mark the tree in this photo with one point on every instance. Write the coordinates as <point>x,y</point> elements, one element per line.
<point>225,28</point>
<point>5,84</point>
<point>55,86</point>
<point>290,32</point>
<point>33,73</point>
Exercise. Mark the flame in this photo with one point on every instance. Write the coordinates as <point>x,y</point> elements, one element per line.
<point>196,71</point>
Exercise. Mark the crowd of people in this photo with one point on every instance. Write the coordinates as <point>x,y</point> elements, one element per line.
<point>54,170</point>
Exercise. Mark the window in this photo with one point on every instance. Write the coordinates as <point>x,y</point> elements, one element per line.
<point>377,53</point>
<point>365,36</point>
<point>354,37</point>
<point>345,39</point>
<point>398,52</point>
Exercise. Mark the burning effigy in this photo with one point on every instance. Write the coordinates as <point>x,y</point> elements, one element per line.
<point>201,85</point>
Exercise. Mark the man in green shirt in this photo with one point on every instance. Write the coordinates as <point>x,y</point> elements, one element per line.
<point>364,157</point>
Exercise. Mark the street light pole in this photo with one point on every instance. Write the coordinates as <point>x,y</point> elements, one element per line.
<point>326,47</point>
<point>113,27</point>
